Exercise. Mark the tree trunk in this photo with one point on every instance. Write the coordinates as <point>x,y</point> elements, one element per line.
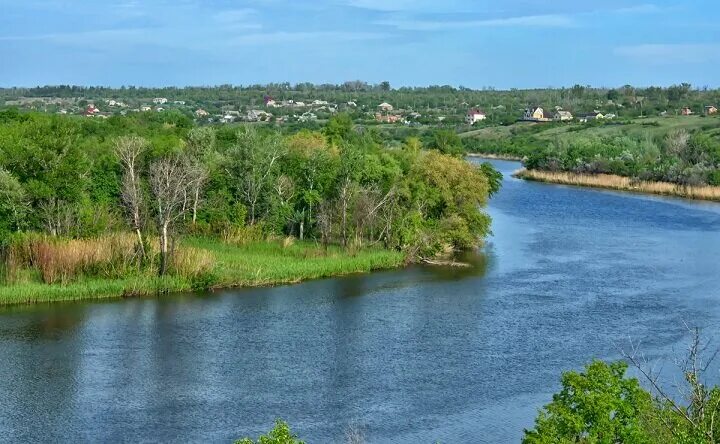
<point>195,205</point>
<point>163,249</point>
<point>140,242</point>
<point>302,229</point>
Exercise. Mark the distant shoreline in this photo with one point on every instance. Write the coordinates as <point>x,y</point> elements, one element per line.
<point>621,183</point>
<point>495,156</point>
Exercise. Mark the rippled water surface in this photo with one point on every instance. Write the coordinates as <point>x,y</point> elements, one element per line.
<point>413,355</point>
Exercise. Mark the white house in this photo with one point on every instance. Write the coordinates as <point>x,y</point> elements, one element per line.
<point>145,108</point>
<point>160,100</point>
<point>474,115</point>
<point>201,113</point>
<point>385,107</point>
<point>563,115</point>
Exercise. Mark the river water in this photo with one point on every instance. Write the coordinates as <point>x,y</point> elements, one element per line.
<point>420,354</point>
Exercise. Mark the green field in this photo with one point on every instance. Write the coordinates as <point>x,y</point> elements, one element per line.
<point>653,126</point>
<point>255,264</point>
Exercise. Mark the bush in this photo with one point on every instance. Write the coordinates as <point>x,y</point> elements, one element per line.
<point>599,405</point>
<point>281,434</point>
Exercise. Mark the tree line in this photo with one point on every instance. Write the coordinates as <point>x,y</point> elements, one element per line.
<point>71,177</point>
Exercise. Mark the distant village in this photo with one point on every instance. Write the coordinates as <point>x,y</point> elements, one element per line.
<point>288,110</point>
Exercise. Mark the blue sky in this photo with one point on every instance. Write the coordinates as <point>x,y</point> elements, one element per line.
<point>474,43</point>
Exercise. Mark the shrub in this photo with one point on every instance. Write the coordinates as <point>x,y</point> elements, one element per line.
<point>281,434</point>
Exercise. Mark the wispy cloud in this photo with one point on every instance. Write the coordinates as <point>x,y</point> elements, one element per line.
<point>235,15</point>
<point>287,36</point>
<point>540,21</point>
<point>646,8</point>
<point>662,54</point>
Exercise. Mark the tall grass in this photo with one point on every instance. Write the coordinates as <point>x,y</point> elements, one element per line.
<point>197,263</point>
<point>614,182</point>
<point>62,260</point>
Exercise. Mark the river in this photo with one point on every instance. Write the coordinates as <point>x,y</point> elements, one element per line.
<point>412,355</point>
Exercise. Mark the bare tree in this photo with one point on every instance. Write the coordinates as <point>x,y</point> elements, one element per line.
<point>170,179</point>
<point>255,162</point>
<point>347,192</point>
<point>325,214</point>
<point>200,145</point>
<point>198,177</point>
<point>702,404</point>
<point>60,217</point>
<point>354,434</point>
<point>129,149</point>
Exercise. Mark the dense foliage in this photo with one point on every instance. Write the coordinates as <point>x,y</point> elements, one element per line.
<point>157,174</point>
<point>280,434</point>
<point>603,405</point>
<point>683,150</point>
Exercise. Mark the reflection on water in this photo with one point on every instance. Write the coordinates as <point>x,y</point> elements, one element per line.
<point>412,355</point>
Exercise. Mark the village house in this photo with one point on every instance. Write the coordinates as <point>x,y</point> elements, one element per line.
<point>710,109</point>
<point>307,117</point>
<point>256,115</point>
<point>91,110</point>
<point>563,115</point>
<point>474,115</point>
<point>160,100</point>
<point>386,107</point>
<point>584,118</point>
<point>201,113</point>
<point>144,108</point>
<point>351,103</point>
<point>319,103</point>
<point>534,114</point>
<point>387,118</point>
<point>686,111</point>
<point>179,102</point>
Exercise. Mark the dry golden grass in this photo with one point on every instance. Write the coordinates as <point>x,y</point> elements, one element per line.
<point>614,182</point>
<point>288,241</point>
<point>192,262</point>
<point>61,260</point>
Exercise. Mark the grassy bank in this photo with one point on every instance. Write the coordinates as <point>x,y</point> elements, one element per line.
<point>256,264</point>
<point>613,182</point>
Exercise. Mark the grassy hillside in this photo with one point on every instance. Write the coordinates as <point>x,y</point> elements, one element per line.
<point>680,150</point>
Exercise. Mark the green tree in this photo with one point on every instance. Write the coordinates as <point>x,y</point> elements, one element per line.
<point>493,176</point>
<point>599,405</point>
<point>13,203</point>
<point>339,128</point>
<point>280,434</point>
<point>447,142</point>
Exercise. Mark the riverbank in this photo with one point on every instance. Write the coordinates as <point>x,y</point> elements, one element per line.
<point>495,156</point>
<point>253,265</point>
<point>621,183</point>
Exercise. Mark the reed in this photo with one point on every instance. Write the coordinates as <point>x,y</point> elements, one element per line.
<point>614,182</point>
<point>62,260</point>
<point>197,263</point>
